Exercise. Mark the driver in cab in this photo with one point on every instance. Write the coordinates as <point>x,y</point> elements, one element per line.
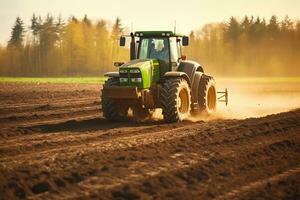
<point>159,50</point>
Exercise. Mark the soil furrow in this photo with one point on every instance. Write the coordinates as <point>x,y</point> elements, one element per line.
<point>204,179</point>
<point>53,140</point>
<point>33,127</point>
<point>182,167</point>
<point>166,135</point>
<point>234,194</point>
<point>48,106</point>
<point>34,116</point>
<point>100,146</point>
<point>94,126</point>
<point>55,101</point>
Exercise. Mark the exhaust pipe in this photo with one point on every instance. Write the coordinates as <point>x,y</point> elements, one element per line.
<point>132,47</point>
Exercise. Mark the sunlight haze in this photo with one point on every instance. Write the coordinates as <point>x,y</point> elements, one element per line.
<point>145,15</point>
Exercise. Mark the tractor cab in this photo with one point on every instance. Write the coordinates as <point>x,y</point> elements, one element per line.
<point>164,46</point>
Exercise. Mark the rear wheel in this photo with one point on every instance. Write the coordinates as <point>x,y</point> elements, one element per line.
<point>110,108</point>
<point>175,99</point>
<point>207,97</point>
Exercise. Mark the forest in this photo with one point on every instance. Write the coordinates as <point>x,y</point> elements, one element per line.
<point>52,46</point>
<point>248,47</point>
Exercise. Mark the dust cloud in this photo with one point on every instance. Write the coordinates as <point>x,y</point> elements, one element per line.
<point>258,97</point>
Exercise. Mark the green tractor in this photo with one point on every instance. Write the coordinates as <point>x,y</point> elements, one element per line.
<point>158,76</point>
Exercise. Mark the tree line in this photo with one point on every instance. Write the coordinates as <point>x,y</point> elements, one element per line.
<point>52,46</point>
<point>251,46</point>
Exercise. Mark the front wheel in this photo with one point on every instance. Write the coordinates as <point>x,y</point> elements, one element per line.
<point>111,109</point>
<point>175,99</point>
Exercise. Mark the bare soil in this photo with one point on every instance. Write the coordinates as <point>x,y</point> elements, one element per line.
<point>55,144</point>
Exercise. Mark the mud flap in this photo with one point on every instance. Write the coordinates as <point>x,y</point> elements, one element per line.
<point>223,96</point>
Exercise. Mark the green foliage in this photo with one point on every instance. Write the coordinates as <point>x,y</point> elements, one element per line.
<point>17,34</point>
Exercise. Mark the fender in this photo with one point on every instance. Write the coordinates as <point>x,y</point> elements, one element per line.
<point>195,87</point>
<point>112,74</point>
<point>178,74</point>
<point>190,67</point>
<point>200,69</point>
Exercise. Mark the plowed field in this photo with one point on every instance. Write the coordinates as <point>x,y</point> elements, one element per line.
<point>55,144</point>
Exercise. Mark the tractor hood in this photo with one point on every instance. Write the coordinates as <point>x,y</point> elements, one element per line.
<point>137,63</point>
<point>139,72</point>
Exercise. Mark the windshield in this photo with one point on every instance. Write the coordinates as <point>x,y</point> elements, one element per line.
<point>157,48</point>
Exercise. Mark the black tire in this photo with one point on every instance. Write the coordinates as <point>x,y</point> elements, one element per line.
<point>176,99</point>
<point>110,108</point>
<point>207,97</point>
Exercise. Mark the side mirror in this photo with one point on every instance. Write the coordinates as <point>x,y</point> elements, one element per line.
<point>122,41</point>
<point>185,41</point>
<point>118,64</point>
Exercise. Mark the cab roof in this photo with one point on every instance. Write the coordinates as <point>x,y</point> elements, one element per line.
<point>156,34</point>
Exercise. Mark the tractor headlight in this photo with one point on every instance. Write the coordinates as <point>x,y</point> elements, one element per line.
<point>122,80</point>
<point>135,76</point>
<point>134,71</point>
<point>123,71</point>
<point>136,80</point>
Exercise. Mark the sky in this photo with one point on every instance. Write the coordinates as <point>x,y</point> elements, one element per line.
<point>146,15</point>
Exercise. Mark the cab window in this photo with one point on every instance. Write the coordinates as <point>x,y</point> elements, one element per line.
<point>144,49</point>
<point>156,48</point>
<point>174,49</point>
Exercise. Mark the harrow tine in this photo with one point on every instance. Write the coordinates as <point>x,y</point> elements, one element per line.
<point>223,97</point>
